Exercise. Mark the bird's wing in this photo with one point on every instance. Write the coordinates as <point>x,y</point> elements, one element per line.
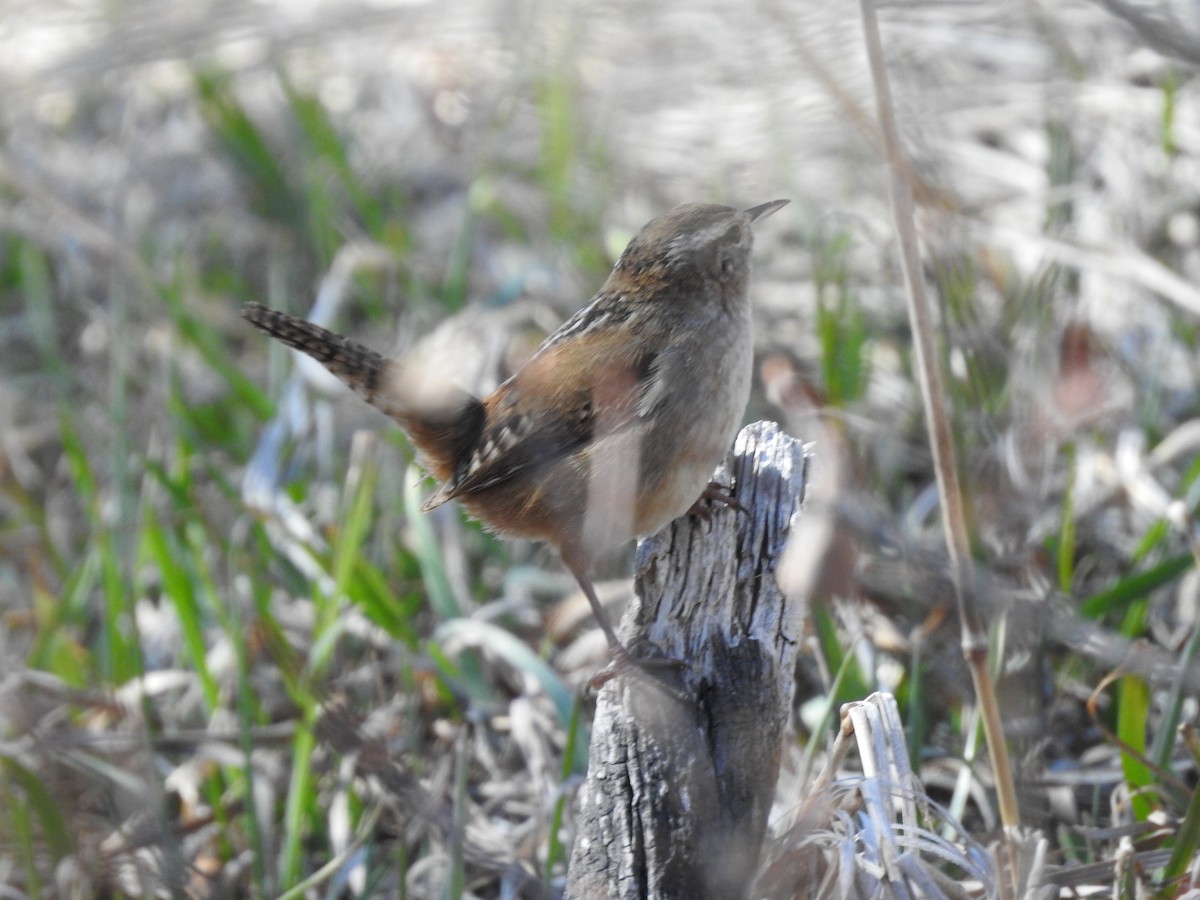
<point>571,394</point>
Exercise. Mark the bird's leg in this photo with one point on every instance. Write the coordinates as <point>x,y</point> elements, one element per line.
<point>620,654</point>
<point>623,662</point>
<point>716,493</point>
<point>622,659</point>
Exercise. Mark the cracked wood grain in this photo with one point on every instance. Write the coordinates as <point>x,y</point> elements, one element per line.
<point>684,758</point>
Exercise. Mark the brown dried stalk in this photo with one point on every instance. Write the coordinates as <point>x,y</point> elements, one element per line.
<point>933,394</point>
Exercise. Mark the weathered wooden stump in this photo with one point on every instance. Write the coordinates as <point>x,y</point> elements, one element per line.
<point>684,759</point>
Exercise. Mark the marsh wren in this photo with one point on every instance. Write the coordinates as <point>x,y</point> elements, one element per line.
<point>615,424</point>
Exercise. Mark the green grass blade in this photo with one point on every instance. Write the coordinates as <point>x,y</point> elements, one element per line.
<point>475,633</point>
<point>262,169</point>
<point>841,324</point>
<point>1187,837</point>
<point>1133,715</point>
<point>248,716</point>
<point>213,348</point>
<point>37,290</point>
<point>327,145</point>
<point>570,765</point>
<point>1066,534</point>
<point>118,657</point>
<point>179,589</point>
<point>852,685</point>
<point>301,800</point>
<point>1136,586</point>
<point>825,716</point>
<point>433,571</point>
<point>53,826</point>
<point>356,520</point>
<point>1172,709</point>
<point>371,592</point>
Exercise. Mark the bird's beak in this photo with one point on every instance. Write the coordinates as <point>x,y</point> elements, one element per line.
<point>763,210</point>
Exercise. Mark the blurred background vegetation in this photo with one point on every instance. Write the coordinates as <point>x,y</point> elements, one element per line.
<point>235,659</point>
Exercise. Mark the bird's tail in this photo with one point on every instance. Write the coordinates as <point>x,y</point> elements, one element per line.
<point>359,367</point>
<point>442,421</point>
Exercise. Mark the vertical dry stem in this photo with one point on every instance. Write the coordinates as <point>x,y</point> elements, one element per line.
<point>929,376</point>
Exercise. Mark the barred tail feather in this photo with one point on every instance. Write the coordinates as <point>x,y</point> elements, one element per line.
<point>359,367</point>
<point>442,421</point>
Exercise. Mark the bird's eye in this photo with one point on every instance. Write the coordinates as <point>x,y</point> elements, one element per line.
<point>726,265</point>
